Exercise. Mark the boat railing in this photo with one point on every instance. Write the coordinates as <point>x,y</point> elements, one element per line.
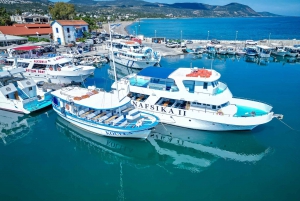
<point>252,100</point>
<point>91,121</point>
<point>219,113</point>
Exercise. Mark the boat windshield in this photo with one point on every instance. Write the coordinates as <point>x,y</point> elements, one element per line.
<point>65,64</point>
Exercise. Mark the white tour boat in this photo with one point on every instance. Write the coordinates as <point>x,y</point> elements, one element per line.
<point>104,113</point>
<point>18,94</point>
<point>50,68</point>
<point>133,55</point>
<point>193,98</point>
<point>263,51</point>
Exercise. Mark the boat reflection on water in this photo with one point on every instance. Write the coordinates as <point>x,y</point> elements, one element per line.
<point>182,149</point>
<point>15,126</point>
<point>283,60</point>
<point>194,150</point>
<point>261,61</point>
<point>121,71</point>
<point>111,150</point>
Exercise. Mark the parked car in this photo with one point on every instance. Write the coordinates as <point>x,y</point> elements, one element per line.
<point>189,42</point>
<point>251,42</point>
<point>215,41</point>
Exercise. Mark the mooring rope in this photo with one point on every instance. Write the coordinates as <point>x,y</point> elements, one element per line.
<point>287,125</point>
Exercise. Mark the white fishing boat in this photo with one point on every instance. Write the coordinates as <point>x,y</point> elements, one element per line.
<point>240,51</point>
<point>278,50</point>
<point>263,51</point>
<point>193,98</point>
<point>18,94</point>
<point>220,49</point>
<point>50,68</point>
<point>230,50</point>
<point>291,51</point>
<point>104,113</point>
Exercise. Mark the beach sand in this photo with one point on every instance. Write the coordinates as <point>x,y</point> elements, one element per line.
<point>120,29</point>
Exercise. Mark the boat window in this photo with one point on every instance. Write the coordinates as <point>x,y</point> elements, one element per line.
<point>213,84</point>
<point>205,85</point>
<point>23,65</point>
<point>189,85</point>
<point>219,106</point>
<point>39,66</point>
<point>30,88</point>
<point>214,107</point>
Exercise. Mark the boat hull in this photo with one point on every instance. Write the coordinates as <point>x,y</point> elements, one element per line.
<point>135,64</point>
<point>103,130</point>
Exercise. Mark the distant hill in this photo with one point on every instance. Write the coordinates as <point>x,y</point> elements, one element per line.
<point>145,8</point>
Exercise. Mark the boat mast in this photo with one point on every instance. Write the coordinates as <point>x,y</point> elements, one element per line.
<point>113,61</point>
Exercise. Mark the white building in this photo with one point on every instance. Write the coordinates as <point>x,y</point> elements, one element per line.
<point>65,31</point>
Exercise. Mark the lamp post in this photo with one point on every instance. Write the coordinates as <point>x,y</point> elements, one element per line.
<point>269,37</point>
<point>207,35</point>
<point>236,33</point>
<point>181,36</point>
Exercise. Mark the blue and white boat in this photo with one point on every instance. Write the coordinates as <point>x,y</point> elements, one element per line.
<point>193,98</point>
<point>251,51</point>
<point>102,112</point>
<point>210,49</point>
<point>21,95</point>
<point>263,51</point>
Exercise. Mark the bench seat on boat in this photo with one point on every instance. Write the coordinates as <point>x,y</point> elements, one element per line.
<point>105,117</point>
<point>110,119</point>
<point>86,113</point>
<point>120,118</point>
<point>127,110</point>
<point>99,115</point>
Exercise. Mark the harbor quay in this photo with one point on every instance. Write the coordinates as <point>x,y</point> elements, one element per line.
<point>166,51</point>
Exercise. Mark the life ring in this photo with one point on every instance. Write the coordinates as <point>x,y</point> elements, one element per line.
<point>59,69</point>
<point>50,68</point>
<point>67,107</point>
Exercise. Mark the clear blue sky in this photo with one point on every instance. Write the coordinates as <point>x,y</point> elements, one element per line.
<point>281,7</point>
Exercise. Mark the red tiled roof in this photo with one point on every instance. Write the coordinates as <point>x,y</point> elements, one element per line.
<point>26,29</point>
<point>71,22</point>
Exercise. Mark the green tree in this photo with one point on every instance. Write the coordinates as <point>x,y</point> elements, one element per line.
<point>62,11</point>
<point>4,17</point>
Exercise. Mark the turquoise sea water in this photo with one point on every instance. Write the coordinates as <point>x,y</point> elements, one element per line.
<point>44,157</point>
<point>220,28</point>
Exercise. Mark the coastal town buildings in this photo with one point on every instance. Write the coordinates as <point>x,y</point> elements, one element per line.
<point>66,31</point>
<point>36,30</point>
<point>30,19</point>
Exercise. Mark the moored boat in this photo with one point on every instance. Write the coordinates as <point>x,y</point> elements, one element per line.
<point>193,98</point>
<point>21,95</point>
<point>263,51</point>
<point>103,113</point>
<point>50,68</point>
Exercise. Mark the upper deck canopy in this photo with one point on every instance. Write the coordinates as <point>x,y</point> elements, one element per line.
<point>156,72</point>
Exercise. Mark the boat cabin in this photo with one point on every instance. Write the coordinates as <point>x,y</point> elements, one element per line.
<point>179,80</point>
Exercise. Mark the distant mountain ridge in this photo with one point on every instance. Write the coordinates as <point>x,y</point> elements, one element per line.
<point>158,9</point>
<point>187,9</point>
